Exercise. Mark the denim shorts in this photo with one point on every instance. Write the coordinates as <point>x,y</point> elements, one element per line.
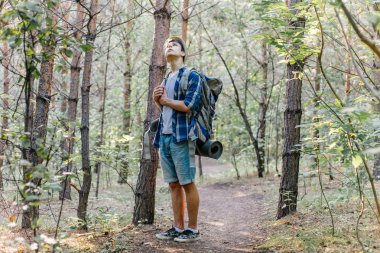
<point>177,160</point>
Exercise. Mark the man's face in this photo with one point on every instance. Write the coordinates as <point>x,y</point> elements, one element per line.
<point>173,48</point>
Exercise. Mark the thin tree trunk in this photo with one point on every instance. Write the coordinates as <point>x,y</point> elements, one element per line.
<point>347,86</point>
<point>238,104</point>
<point>72,105</point>
<point>317,88</point>
<point>185,19</point>
<point>39,130</point>
<point>267,145</point>
<point>65,6</point>
<point>263,107</point>
<point>123,175</point>
<point>146,183</point>
<point>103,102</point>
<point>235,164</point>
<point>292,118</point>
<point>376,166</point>
<point>28,120</point>
<point>200,167</point>
<point>85,123</point>
<point>277,131</point>
<point>4,124</point>
<point>64,87</point>
<point>200,49</point>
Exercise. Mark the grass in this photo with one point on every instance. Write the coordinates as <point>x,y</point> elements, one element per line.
<point>310,229</point>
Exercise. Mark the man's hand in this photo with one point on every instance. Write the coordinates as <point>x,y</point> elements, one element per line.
<point>163,100</point>
<point>158,92</point>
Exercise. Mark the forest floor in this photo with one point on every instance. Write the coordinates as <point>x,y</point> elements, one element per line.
<point>235,216</point>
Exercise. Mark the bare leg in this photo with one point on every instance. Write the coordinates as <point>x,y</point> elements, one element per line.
<point>192,199</point>
<point>178,204</point>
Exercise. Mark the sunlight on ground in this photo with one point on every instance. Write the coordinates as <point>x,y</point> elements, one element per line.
<point>241,194</point>
<point>215,223</point>
<point>80,244</point>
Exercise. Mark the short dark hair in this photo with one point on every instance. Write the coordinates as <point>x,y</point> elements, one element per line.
<point>180,41</point>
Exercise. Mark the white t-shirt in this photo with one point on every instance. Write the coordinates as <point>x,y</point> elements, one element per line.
<point>167,112</point>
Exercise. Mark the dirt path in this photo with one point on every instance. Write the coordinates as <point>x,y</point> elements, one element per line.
<point>229,219</point>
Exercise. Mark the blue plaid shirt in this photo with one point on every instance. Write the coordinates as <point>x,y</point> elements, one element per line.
<point>184,124</point>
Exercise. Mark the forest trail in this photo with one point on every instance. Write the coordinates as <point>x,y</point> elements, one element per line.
<point>230,217</point>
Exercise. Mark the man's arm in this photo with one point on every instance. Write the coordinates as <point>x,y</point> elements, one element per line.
<point>192,99</point>
<point>174,104</point>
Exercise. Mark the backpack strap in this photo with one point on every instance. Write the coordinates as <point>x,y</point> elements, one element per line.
<point>166,77</point>
<point>185,78</point>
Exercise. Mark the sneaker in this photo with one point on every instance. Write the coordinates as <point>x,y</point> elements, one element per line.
<point>168,235</point>
<point>188,236</point>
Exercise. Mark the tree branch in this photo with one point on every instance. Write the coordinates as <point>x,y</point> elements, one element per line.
<point>365,40</point>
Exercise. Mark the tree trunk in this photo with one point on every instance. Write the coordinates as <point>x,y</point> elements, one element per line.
<point>234,152</point>
<point>123,175</point>
<point>4,125</point>
<point>28,121</point>
<point>292,118</point>
<point>102,108</point>
<point>376,166</point>
<point>277,131</point>
<point>146,183</point>
<point>185,19</point>
<point>263,107</point>
<point>39,130</point>
<point>347,85</point>
<point>200,48</point>
<point>72,106</point>
<point>85,123</point>
<point>317,88</point>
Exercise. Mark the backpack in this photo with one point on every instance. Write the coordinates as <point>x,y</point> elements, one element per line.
<point>211,88</point>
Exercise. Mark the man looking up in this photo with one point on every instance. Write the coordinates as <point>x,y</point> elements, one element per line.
<point>176,137</point>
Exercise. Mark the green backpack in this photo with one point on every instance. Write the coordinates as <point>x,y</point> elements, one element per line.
<point>211,89</point>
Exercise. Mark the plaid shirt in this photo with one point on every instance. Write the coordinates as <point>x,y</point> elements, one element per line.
<point>184,124</point>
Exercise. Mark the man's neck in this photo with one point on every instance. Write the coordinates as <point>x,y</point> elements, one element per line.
<point>175,64</point>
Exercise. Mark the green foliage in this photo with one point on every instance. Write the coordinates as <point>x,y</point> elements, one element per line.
<point>102,220</point>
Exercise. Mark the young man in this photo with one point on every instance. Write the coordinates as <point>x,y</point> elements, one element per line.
<point>176,137</point>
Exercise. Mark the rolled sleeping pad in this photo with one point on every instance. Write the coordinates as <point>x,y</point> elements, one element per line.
<point>154,125</point>
<point>210,148</point>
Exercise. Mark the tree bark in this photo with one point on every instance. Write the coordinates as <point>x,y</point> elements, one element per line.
<point>263,107</point>
<point>38,134</point>
<point>4,118</point>
<point>292,118</point>
<point>185,19</point>
<point>317,88</point>
<point>146,183</point>
<point>72,105</point>
<point>85,123</point>
<point>28,120</point>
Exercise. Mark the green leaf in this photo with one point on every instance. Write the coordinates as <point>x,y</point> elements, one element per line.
<point>52,186</point>
<point>356,161</point>
<point>29,52</point>
<point>86,47</point>
<point>67,52</point>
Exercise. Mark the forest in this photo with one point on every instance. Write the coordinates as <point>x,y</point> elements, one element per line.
<point>298,118</point>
